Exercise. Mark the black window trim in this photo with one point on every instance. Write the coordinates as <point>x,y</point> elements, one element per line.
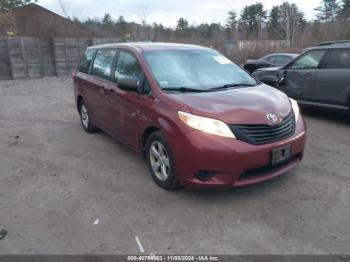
<point>92,60</point>
<point>114,59</point>
<point>285,56</point>
<point>112,78</point>
<point>143,76</point>
<point>276,55</point>
<point>287,66</point>
<point>326,57</point>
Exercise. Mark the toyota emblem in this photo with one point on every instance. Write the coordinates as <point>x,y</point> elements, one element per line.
<point>272,117</point>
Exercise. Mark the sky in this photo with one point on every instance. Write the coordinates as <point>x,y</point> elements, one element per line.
<point>164,11</point>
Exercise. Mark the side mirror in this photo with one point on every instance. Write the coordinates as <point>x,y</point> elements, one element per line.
<point>128,84</point>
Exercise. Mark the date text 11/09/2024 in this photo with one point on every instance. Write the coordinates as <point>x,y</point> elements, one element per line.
<point>173,258</point>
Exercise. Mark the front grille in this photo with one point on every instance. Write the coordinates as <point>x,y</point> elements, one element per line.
<point>264,134</point>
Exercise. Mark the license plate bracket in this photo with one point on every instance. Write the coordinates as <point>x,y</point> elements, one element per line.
<point>281,154</point>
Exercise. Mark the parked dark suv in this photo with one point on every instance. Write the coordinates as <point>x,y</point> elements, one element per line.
<point>320,76</point>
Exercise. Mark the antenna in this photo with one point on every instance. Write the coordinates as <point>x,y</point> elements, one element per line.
<point>63,8</point>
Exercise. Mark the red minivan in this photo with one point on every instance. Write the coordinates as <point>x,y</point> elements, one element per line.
<point>199,119</point>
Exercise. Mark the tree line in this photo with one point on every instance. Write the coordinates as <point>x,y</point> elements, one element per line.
<point>282,22</point>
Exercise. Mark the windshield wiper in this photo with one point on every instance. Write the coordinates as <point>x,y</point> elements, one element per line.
<point>230,86</point>
<point>184,89</point>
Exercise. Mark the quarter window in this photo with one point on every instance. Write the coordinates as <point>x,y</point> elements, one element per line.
<point>271,59</point>
<point>281,60</point>
<point>338,59</point>
<point>85,62</point>
<point>146,87</point>
<point>127,67</point>
<point>103,63</point>
<point>310,60</point>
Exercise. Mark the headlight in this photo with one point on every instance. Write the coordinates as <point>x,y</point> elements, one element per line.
<point>295,108</point>
<point>207,125</point>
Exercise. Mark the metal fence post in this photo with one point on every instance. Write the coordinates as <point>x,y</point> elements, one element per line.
<point>9,57</point>
<point>24,58</point>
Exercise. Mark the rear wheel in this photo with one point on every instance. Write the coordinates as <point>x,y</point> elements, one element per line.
<point>85,119</point>
<point>161,162</point>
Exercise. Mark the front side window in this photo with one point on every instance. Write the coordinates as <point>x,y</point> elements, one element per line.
<point>85,62</point>
<point>103,63</point>
<point>310,60</point>
<point>200,70</point>
<point>127,67</point>
<point>338,59</point>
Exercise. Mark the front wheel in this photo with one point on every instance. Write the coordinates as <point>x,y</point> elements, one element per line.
<point>161,162</point>
<point>85,119</point>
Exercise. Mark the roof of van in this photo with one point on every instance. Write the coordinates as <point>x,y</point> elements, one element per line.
<point>152,46</point>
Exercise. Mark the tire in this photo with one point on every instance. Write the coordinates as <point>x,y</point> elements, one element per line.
<point>161,161</point>
<point>85,119</point>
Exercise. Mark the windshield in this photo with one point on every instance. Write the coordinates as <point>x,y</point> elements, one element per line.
<point>202,70</point>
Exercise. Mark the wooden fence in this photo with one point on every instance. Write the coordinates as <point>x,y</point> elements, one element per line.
<point>30,57</point>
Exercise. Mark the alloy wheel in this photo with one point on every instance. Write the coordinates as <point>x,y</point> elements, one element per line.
<point>84,116</point>
<point>159,159</point>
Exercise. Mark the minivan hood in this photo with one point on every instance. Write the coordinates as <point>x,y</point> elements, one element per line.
<point>246,105</point>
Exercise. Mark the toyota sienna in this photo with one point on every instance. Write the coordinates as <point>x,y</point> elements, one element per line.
<point>197,118</point>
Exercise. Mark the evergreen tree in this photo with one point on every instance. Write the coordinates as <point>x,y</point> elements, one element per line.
<point>121,20</point>
<point>253,18</point>
<point>7,5</point>
<point>285,21</point>
<point>107,20</point>
<point>273,24</point>
<point>292,21</point>
<point>182,26</point>
<point>231,20</point>
<point>328,10</point>
<point>344,11</point>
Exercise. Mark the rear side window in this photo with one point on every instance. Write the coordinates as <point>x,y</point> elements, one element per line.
<point>271,59</point>
<point>281,60</point>
<point>338,59</point>
<point>103,62</point>
<point>127,67</point>
<point>310,60</point>
<point>85,62</point>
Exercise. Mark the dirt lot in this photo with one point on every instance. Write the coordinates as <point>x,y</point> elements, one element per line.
<point>57,181</point>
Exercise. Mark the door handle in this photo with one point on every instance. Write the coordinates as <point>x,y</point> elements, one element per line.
<point>309,74</point>
<point>111,92</point>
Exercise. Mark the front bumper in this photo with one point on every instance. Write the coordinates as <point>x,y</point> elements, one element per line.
<point>234,163</point>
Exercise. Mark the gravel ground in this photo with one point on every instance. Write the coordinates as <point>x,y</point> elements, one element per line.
<point>63,191</point>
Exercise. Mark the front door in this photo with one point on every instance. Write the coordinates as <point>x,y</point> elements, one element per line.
<point>125,104</point>
<point>299,77</point>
